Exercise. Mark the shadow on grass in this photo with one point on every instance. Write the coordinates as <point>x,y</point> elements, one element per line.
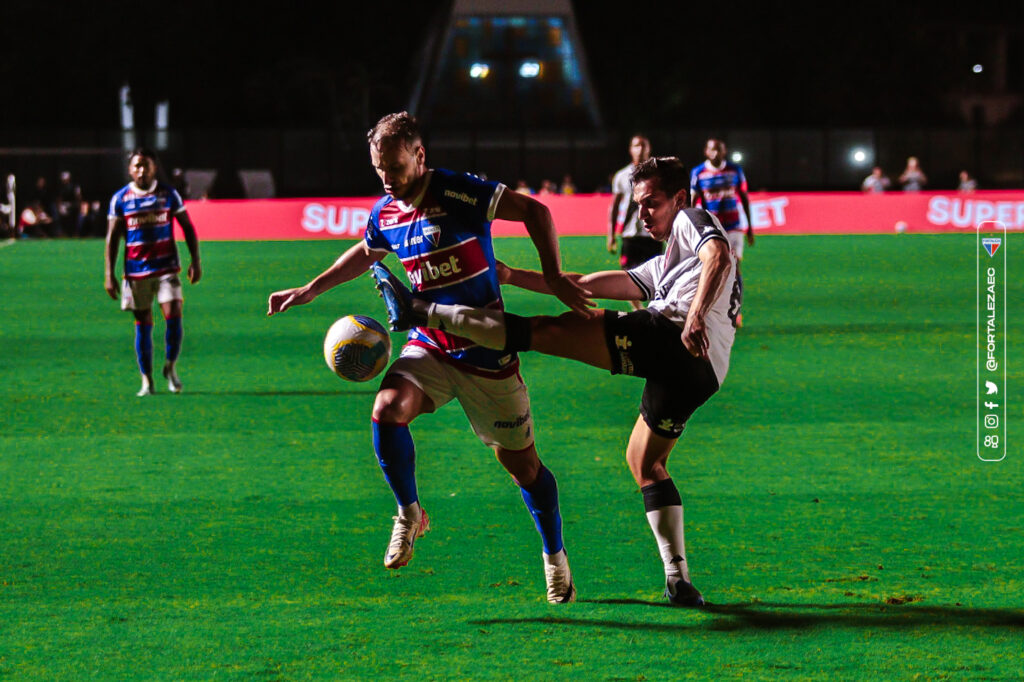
<point>280,393</point>
<point>777,616</point>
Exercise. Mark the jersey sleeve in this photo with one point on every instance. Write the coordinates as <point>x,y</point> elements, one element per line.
<point>372,236</point>
<point>645,276</point>
<point>116,207</point>
<point>741,179</point>
<point>703,227</point>
<point>621,184</point>
<point>473,197</point>
<point>175,201</point>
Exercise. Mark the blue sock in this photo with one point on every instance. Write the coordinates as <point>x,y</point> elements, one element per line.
<point>396,455</point>
<point>541,498</point>
<point>172,338</point>
<point>144,347</point>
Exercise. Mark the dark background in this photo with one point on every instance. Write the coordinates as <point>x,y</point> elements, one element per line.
<point>660,64</point>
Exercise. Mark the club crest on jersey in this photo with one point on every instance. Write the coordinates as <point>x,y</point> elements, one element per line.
<point>432,233</point>
<point>991,244</point>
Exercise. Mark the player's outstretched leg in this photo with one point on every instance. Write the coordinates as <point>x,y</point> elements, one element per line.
<point>397,299</point>
<point>144,355</point>
<point>665,516</point>
<point>172,344</point>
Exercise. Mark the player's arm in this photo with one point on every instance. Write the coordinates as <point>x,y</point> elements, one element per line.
<point>195,270</point>
<point>745,201</point>
<point>115,231</point>
<point>349,265</point>
<point>537,219</point>
<point>613,214</point>
<point>615,285</point>
<point>714,256</point>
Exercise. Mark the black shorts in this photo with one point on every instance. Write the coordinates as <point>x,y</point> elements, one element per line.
<point>648,345</point>
<point>637,250</point>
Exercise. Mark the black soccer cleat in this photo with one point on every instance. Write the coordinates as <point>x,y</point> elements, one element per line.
<point>682,593</point>
<point>397,299</point>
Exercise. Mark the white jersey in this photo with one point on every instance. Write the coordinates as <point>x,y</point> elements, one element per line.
<point>670,280</point>
<point>631,225</point>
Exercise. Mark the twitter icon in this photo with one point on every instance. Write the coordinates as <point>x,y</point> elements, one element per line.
<point>991,388</point>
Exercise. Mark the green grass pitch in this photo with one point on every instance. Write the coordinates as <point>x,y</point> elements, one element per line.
<point>838,519</point>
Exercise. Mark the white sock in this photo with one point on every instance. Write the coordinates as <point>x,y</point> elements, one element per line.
<point>667,525</point>
<point>482,325</point>
<point>556,559</point>
<point>413,511</point>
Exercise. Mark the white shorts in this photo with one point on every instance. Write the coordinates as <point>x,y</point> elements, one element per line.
<point>137,294</point>
<point>736,239</point>
<point>498,409</point>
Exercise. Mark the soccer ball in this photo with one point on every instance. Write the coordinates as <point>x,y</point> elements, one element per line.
<point>357,348</point>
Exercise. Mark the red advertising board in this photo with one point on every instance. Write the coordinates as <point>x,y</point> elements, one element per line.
<point>587,214</point>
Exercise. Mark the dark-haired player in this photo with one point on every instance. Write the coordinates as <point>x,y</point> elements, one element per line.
<point>143,214</point>
<point>438,224</point>
<point>637,245</point>
<point>679,344</point>
<point>720,186</point>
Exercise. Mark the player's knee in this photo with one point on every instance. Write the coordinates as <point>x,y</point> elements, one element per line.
<point>388,409</point>
<point>522,465</point>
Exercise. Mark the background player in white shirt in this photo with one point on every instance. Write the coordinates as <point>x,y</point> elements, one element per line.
<point>637,244</point>
<point>680,343</point>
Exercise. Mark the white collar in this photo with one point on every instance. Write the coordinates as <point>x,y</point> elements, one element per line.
<point>139,190</point>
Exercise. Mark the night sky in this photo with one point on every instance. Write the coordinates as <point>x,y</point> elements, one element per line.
<point>667,64</point>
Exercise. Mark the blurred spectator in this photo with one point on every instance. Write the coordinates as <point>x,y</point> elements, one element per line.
<point>568,187</point>
<point>967,183</point>
<point>548,187</point>
<point>913,178</point>
<point>34,221</point>
<point>606,186</point>
<point>41,199</point>
<point>69,205</point>
<point>94,219</point>
<point>523,188</point>
<point>876,182</point>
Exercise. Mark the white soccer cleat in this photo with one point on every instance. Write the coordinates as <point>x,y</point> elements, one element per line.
<point>403,537</point>
<point>173,382</point>
<point>147,388</point>
<point>561,589</point>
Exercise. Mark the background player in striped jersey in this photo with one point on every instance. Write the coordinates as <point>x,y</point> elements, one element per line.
<point>438,224</point>
<point>637,245</point>
<point>680,344</point>
<point>720,186</point>
<point>143,214</point>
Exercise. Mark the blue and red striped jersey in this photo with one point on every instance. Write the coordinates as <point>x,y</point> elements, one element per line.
<point>149,248</point>
<point>443,239</point>
<point>719,191</point>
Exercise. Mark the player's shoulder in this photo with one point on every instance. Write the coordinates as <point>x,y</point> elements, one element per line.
<point>701,221</point>
<point>444,177</point>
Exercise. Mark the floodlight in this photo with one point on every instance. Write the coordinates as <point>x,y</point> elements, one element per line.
<point>479,70</point>
<point>529,69</point>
